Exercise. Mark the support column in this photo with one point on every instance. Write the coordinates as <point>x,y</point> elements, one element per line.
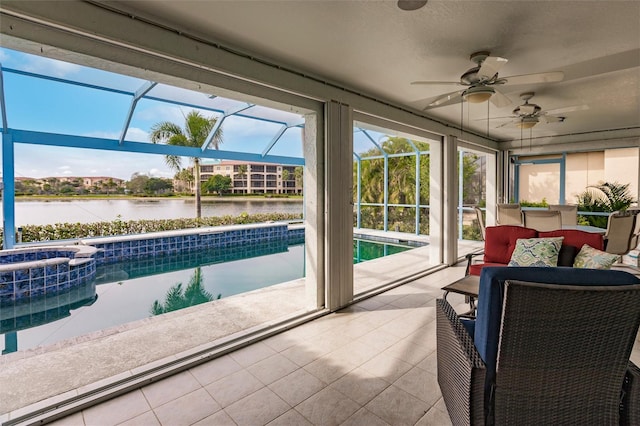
<point>491,185</point>
<point>436,202</point>
<point>8,192</point>
<point>339,204</point>
<point>450,185</point>
<point>313,177</point>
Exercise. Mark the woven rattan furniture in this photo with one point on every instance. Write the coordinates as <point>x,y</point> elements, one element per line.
<point>554,351</point>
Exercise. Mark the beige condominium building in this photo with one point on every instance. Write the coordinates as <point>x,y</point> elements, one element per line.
<point>256,178</point>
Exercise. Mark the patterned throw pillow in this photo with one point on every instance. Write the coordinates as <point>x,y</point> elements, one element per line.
<point>588,257</point>
<point>536,252</point>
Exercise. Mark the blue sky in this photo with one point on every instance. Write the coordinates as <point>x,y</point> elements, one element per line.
<point>42,105</point>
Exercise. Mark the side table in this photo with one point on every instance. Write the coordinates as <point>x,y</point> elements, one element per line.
<point>468,286</point>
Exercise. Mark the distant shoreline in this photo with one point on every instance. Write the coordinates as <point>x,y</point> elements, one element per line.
<point>204,199</point>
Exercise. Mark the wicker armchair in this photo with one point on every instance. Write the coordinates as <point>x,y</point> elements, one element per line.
<point>543,353</point>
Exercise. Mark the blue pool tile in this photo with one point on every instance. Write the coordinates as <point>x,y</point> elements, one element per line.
<point>6,277</point>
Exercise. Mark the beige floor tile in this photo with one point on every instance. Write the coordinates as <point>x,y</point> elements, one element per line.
<point>273,368</point>
<point>413,300</point>
<point>187,409</point>
<point>251,354</point>
<point>221,418</point>
<point>304,353</point>
<point>355,328</point>
<point>74,419</point>
<point>371,304</point>
<point>328,370</point>
<point>283,341</point>
<point>117,410</point>
<point>290,418</point>
<point>297,386</point>
<point>170,388</point>
<point>387,367</point>
<point>315,408</point>
<point>397,407</point>
<point>430,363</point>
<point>379,339</point>
<point>360,385</point>
<point>233,387</point>
<point>420,384</point>
<point>146,419</point>
<point>408,352</point>
<point>215,369</point>
<point>259,408</point>
<point>364,417</point>
<point>355,352</point>
<point>434,417</point>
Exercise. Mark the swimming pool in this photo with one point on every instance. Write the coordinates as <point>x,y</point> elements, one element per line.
<point>128,291</point>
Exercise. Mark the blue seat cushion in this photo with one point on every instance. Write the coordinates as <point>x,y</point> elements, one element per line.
<point>490,296</point>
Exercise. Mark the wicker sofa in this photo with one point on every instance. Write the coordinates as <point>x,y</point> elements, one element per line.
<point>500,242</point>
<point>548,346</point>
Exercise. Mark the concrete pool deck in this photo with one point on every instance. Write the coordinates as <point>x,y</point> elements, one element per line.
<point>80,365</point>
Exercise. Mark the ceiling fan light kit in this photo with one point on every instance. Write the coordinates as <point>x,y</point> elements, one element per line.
<point>478,94</point>
<point>527,122</point>
<point>411,4</point>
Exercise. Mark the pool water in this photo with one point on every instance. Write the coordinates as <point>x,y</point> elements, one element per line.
<point>134,290</point>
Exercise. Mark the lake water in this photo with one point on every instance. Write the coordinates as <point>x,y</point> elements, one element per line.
<point>86,211</point>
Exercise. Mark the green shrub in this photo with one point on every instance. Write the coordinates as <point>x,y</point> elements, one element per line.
<point>66,231</point>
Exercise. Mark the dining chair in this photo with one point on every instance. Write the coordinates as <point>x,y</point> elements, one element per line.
<point>543,220</point>
<point>480,218</point>
<point>619,236</point>
<point>568,212</point>
<point>509,214</point>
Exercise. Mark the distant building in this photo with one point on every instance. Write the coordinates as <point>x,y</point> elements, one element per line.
<point>255,178</point>
<point>86,182</point>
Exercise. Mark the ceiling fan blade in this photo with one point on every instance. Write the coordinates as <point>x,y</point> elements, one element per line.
<point>543,77</point>
<point>500,100</point>
<point>507,123</point>
<point>435,83</point>
<point>551,119</point>
<point>510,117</point>
<point>568,109</point>
<point>446,99</point>
<point>490,66</point>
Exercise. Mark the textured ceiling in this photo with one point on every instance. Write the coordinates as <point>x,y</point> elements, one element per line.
<point>377,48</point>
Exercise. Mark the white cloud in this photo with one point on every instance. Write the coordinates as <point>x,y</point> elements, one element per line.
<point>64,167</point>
<point>66,172</point>
<point>52,67</point>
<point>133,134</point>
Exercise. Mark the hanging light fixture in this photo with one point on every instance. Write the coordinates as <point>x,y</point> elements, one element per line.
<point>411,4</point>
<point>527,122</point>
<point>478,94</point>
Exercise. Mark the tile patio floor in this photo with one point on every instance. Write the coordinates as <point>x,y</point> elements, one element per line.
<point>373,363</point>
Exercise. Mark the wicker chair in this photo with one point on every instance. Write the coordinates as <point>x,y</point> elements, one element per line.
<point>543,353</point>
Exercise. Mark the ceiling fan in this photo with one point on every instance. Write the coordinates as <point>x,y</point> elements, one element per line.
<point>528,114</point>
<point>480,80</point>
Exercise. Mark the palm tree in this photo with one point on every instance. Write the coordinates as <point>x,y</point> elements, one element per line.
<point>197,128</point>
<point>179,298</point>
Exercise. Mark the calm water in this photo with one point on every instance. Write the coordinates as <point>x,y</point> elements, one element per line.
<point>86,211</point>
<point>127,291</point>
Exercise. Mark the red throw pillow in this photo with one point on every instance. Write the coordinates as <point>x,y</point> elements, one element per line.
<point>500,241</point>
<point>576,238</point>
